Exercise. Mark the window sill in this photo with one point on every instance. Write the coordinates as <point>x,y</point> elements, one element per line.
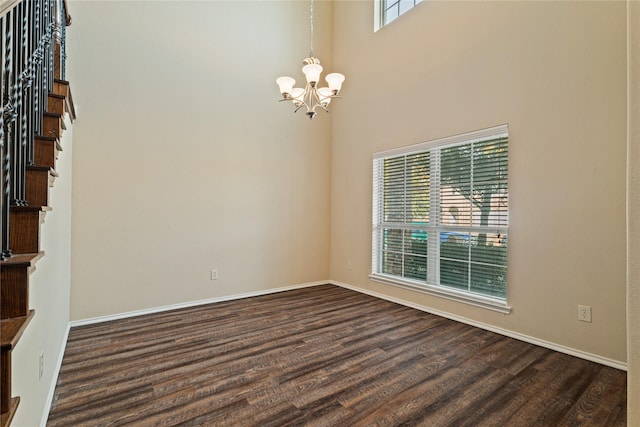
<point>475,300</point>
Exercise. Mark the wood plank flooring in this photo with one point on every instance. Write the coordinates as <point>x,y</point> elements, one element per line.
<point>322,356</point>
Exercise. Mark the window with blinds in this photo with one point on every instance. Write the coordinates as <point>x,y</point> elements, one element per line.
<point>440,216</point>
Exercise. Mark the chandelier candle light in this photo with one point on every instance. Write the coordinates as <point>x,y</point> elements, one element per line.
<point>312,96</point>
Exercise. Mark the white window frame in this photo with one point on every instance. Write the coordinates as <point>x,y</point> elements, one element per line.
<point>379,7</point>
<point>430,286</point>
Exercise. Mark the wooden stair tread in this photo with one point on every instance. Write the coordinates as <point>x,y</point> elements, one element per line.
<point>12,329</point>
<point>20,260</point>
<point>51,171</point>
<point>67,93</point>
<point>31,208</point>
<point>8,416</point>
<point>37,167</point>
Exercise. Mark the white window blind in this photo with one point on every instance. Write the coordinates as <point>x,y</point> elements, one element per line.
<point>440,215</point>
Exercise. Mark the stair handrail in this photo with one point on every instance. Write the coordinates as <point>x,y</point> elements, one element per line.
<point>33,54</point>
<point>5,5</point>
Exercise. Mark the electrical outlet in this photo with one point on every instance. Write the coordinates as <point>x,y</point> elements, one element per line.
<point>214,274</point>
<point>584,313</point>
<point>41,365</point>
<point>349,265</point>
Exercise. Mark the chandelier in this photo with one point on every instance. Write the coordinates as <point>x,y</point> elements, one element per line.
<point>311,97</point>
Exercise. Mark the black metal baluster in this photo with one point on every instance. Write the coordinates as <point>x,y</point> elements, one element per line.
<point>23,108</point>
<point>28,34</point>
<point>37,89</point>
<point>11,105</point>
<point>49,66</point>
<point>2,213</point>
<point>7,119</point>
<point>51,49</point>
<point>35,83</point>
<point>46,7</point>
<point>18,156</point>
<point>43,68</point>
<point>46,44</point>
<point>29,81</point>
<point>16,101</point>
<point>63,42</point>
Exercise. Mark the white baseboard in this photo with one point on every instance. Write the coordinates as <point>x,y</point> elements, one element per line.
<point>135,313</point>
<point>54,378</point>
<point>532,340</point>
<point>522,337</point>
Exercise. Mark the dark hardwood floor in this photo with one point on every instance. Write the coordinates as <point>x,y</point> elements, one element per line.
<point>322,356</point>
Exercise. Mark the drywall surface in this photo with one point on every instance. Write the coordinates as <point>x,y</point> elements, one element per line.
<point>49,289</point>
<point>185,161</point>
<point>555,72</point>
<point>633,213</point>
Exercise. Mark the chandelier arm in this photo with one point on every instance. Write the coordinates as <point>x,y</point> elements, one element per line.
<point>300,106</point>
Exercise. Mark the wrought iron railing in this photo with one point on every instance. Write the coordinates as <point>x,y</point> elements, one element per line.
<point>29,33</point>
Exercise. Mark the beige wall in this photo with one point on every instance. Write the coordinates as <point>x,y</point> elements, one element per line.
<point>185,162</point>
<point>49,287</point>
<point>556,73</point>
<point>633,213</point>
<point>184,159</point>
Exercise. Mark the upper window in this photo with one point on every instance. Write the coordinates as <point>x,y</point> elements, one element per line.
<point>440,217</point>
<point>391,9</point>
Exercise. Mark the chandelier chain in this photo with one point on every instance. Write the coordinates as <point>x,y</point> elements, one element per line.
<point>311,28</point>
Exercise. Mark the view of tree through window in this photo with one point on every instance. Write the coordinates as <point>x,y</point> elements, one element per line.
<point>441,216</point>
<point>406,208</point>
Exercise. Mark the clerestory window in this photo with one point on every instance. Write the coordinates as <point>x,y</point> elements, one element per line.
<point>389,10</point>
<point>440,217</point>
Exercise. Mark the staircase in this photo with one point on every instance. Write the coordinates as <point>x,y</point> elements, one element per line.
<point>34,101</point>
